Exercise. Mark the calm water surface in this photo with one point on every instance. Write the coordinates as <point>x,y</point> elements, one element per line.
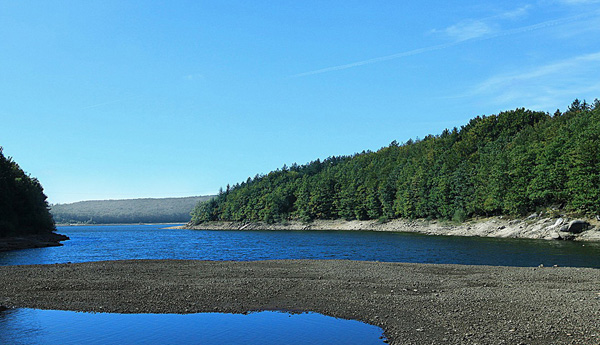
<point>32,326</point>
<point>120,242</point>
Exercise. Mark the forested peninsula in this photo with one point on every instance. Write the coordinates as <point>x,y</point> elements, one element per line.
<point>511,164</point>
<point>25,220</point>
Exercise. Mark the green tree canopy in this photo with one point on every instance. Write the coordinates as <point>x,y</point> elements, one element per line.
<point>513,163</point>
<point>23,205</point>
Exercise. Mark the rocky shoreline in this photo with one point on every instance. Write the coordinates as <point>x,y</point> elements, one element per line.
<point>413,303</point>
<point>32,241</point>
<point>533,227</point>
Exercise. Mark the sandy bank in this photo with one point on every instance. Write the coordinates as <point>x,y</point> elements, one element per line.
<point>31,241</point>
<point>534,228</point>
<point>413,303</point>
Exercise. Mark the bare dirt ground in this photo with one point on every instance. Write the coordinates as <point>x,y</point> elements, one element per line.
<point>413,303</point>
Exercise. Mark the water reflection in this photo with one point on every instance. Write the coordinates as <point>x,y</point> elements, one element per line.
<point>33,326</point>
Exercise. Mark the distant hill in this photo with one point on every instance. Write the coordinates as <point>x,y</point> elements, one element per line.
<point>163,210</point>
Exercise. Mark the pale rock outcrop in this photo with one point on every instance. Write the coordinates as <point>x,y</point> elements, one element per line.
<point>534,228</point>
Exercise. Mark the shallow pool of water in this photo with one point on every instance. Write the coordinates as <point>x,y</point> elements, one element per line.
<point>34,326</point>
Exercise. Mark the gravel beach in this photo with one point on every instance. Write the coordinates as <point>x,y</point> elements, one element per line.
<point>413,303</point>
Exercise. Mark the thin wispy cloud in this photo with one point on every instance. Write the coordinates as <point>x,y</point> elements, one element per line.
<point>514,14</point>
<point>539,26</point>
<point>579,2</point>
<point>473,28</point>
<point>468,29</point>
<point>466,38</point>
<point>378,59</point>
<point>544,87</point>
<point>541,71</point>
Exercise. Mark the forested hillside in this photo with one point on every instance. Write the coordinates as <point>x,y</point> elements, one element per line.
<point>165,210</point>
<point>513,163</point>
<point>23,206</point>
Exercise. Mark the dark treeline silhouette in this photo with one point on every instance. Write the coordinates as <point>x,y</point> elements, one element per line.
<point>23,205</point>
<point>513,163</point>
<point>161,210</point>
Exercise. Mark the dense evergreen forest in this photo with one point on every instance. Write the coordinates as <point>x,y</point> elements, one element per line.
<point>513,163</point>
<point>23,205</point>
<point>162,210</point>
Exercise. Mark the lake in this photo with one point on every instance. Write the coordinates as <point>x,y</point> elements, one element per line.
<point>120,242</point>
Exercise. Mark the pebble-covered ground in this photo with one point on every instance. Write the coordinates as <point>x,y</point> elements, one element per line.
<point>413,303</point>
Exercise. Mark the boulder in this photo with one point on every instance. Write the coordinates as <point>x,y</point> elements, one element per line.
<point>575,227</point>
<point>578,226</point>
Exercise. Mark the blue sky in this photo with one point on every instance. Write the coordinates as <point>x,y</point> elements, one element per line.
<point>129,99</point>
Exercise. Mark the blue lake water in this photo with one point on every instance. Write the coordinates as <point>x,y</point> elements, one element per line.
<point>120,242</point>
<point>32,326</point>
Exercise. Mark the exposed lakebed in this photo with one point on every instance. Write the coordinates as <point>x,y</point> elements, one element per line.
<point>412,303</point>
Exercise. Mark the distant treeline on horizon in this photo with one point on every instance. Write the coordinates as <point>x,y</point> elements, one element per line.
<point>127,211</point>
<point>513,163</point>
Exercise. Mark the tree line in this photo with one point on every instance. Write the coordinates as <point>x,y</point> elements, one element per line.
<point>513,163</point>
<point>149,210</point>
<point>23,205</point>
